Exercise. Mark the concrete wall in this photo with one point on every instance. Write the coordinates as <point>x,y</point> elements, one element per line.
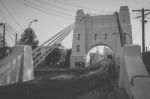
<point>17,67</point>
<point>132,65</point>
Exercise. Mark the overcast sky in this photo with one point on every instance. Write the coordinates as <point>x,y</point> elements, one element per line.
<point>55,15</point>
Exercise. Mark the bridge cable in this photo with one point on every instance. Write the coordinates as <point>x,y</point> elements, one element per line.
<point>49,51</point>
<point>51,39</point>
<point>54,37</point>
<point>10,14</point>
<point>62,33</point>
<point>46,49</point>
<point>61,36</point>
<point>57,43</point>
<point>50,42</point>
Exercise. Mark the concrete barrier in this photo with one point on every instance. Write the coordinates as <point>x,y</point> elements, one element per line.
<point>17,67</point>
<point>133,74</point>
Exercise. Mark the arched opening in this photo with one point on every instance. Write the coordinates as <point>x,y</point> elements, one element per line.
<point>99,53</point>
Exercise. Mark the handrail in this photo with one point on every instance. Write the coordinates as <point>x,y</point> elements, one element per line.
<point>136,77</point>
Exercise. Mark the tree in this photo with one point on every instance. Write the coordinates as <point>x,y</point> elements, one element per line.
<point>54,57</point>
<point>59,55</point>
<point>67,59</point>
<point>28,37</point>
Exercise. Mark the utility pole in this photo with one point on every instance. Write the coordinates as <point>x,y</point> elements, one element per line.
<point>143,25</point>
<point>143,30</point>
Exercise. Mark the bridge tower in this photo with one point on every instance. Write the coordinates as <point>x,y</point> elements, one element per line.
<point>96,30</point>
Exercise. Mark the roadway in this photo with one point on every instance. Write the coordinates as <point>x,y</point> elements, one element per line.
<point>60,86</point>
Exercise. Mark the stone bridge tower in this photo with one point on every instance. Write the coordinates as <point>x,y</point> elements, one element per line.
<point>96,30</point>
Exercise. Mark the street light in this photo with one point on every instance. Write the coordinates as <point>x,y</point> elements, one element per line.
<point>28,29</point>
<point>35,20</point>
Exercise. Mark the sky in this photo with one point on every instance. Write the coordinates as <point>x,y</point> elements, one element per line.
<point>54,15</point>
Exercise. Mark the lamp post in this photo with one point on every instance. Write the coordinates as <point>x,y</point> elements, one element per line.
<point>35,20</point>
<point>28,29</point>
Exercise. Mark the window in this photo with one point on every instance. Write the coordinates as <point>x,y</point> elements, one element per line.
<point>106,36</point>
<point>96,37</point>
<point>78,37</point>
<point>78,48</point>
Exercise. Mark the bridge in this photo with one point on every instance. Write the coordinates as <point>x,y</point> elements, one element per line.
<point>114,31</point>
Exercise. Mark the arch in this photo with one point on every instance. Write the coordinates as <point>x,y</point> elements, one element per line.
<point>99,44</point>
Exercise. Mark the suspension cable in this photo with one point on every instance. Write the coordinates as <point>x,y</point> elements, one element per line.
<point>47,51</point>
<point>62,37</point>
<point>58,37</point>
<point>47,46</point>
<point>53,37</point>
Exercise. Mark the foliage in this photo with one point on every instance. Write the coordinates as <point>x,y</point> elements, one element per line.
<point>67,59</point>
<point>58,58</point>
<point>28,37</point>
<point>54,57</point>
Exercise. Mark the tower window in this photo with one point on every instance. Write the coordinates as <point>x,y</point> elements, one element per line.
<point>78,36</point>
<point>78,48</point>
<point>96,37</point>
<point>106,36</point>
